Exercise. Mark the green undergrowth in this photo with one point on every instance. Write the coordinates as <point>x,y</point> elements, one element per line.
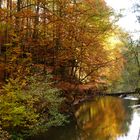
<point>30,110</point>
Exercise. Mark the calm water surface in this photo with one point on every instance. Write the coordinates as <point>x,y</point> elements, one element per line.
<point>103,118</point>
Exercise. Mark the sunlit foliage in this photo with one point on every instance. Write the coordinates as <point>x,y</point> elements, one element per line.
<point>68,36</point>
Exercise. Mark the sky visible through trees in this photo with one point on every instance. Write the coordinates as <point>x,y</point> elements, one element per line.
<point>129,19</point>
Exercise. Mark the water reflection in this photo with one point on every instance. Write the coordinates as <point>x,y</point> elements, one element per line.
<point>104,118</point>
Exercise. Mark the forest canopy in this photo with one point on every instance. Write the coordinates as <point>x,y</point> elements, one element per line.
<point>74,39</point>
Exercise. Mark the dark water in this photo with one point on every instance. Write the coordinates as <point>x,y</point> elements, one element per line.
<point>103,118</point>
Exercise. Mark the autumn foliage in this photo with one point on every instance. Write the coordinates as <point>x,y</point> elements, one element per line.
<point>68,37</point>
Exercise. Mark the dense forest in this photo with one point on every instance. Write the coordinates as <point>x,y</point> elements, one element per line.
<point>50,48</point>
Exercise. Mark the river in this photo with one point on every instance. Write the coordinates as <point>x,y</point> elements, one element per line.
<point>102,118</point>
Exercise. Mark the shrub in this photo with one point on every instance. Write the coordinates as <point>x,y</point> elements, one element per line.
<point>31,110</point>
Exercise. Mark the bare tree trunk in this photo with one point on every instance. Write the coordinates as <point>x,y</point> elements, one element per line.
<point>18,5</point>
<point>11,9</point>
<point>5,44</point>
<point>35,34</point>
<point>0,3</point>
<point>17,24</point>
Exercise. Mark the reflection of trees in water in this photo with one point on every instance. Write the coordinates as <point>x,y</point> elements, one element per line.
<point>135,105</point>
<point>129,115</point>
<point>104,119</point>
<point>67,132</point>
<point>138,110</point>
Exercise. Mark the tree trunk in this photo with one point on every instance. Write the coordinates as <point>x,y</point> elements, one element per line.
<point>0,3</point>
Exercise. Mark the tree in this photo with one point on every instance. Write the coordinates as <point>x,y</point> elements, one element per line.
<point>68,36</point>
<point>129,80</point>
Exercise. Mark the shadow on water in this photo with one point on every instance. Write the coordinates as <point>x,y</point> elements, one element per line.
<point>103,118</point>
